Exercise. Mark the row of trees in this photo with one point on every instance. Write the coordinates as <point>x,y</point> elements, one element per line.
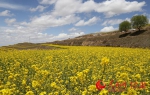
<point>137,22</point>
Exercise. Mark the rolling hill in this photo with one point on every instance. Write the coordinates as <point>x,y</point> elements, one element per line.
<point>132,39</point>
<point>139,39</point>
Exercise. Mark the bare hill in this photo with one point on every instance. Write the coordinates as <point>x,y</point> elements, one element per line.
<point>135,39</point>
<point>115,39</point>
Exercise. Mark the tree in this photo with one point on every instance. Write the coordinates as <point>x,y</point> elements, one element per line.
<point>124,26</point>
<point>139,21</point>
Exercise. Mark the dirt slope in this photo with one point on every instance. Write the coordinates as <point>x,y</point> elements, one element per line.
<point>117,39</point>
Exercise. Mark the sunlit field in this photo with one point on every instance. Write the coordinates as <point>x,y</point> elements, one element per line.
<point>75,70</point>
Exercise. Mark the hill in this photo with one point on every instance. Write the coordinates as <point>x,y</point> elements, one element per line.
<point>26,45</point>
<point>135,38</point>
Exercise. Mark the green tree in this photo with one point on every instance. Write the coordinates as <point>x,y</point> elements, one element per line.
<point>124,26</point>
<point>139,21</point>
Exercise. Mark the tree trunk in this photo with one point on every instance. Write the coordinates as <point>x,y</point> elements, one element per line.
<point>139,28</point>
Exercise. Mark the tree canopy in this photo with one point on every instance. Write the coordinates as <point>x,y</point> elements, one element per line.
<point>139,21</point>
<point>124,26</point>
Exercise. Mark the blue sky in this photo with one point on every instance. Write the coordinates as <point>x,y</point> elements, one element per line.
<point>49,20</point>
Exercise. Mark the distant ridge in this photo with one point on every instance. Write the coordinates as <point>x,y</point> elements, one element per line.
<point>29,46</point>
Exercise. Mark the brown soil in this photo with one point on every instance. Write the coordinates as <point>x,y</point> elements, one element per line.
<point>140,39</point>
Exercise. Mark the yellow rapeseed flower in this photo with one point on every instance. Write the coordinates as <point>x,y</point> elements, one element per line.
<point>53,84</point>
<point>80,74</point>
<point>30,93</point>
<point>138,76</point>
<point>84,92</point>
<point>92,88</point>
<point>72,69</point>
<point>35,84</point>
<point>23,82</point>
<point>43,93</point>
<point>103,92</point>
<point>124,76</point>
<point>123,93</point>
<point>104,61</point>
<point>5,92</point>
<point>131,91</point>
<point>86,71</point>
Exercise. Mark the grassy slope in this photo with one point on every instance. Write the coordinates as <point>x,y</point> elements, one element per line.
<point>25,46</point>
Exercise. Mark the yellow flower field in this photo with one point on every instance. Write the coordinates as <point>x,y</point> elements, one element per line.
<point>74,70</point>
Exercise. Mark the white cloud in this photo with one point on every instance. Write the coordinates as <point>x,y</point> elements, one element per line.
<point>62,36</point>
<point>47,1</point>
<point>108,29</point>
<point>84,7</point>
<point>72,29</point>
<point>66,7</point>
<point>116,7</point>
<point>6,13</point>
<point>12,35</point>
<point>11,6</point>
<point>51,21</point>
<point>38,8</point>
<point>10,21</point>
<point>128,19</point>
<point>89,22</point>
<point>22,31</point>
<point>114,21</point>
<point>75,30</point>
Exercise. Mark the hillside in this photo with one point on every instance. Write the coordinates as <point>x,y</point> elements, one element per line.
<point>115,39</point>
<point>31,46</point>
<point>133,39</point>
